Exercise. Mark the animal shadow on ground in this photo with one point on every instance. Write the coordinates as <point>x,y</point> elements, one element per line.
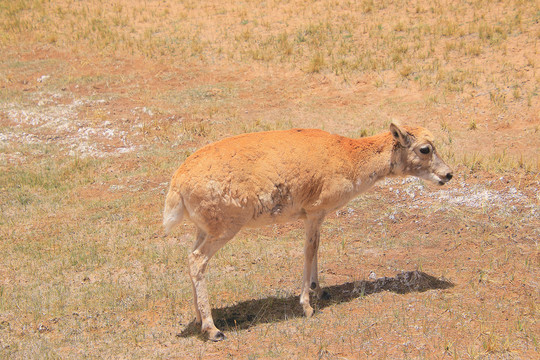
<point>273,309</point>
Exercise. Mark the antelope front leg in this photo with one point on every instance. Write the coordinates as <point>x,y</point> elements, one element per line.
<point>314,277</point>
<point>315,286</point>
<point>310,279</point>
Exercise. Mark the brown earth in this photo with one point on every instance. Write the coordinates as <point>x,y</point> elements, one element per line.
<point>90,135</point>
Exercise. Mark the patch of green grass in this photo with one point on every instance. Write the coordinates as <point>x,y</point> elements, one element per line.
<point>50,175</point>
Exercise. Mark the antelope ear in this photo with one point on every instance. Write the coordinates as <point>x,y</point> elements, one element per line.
<point>400,134</point>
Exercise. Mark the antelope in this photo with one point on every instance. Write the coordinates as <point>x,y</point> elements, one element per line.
<point>264,178</point>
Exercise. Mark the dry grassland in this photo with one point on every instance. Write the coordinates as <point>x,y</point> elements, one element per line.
<point>100,101</point>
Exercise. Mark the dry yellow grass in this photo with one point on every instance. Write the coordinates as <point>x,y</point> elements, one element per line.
<point>101,101</point>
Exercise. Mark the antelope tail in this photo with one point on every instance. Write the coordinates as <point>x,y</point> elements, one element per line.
<point>174,210</point>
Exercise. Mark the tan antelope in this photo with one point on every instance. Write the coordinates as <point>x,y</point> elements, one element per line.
<point>257,179</point>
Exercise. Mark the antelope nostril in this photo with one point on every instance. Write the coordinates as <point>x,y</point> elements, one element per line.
<point>449,176</point>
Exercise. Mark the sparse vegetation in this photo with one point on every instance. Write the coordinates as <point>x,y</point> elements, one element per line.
<point>101,101</point>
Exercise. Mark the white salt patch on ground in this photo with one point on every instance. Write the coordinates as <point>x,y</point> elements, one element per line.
<point>70,131</point>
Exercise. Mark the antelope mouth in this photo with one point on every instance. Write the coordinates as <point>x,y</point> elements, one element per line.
<point>444,179</point>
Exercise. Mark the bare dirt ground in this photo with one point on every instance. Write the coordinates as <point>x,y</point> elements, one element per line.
<point>100,103</point>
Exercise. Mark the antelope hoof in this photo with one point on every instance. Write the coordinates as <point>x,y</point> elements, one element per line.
<point>308,311</point>
<point>216,335</point>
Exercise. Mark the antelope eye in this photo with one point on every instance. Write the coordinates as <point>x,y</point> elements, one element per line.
<point>425,149</point>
